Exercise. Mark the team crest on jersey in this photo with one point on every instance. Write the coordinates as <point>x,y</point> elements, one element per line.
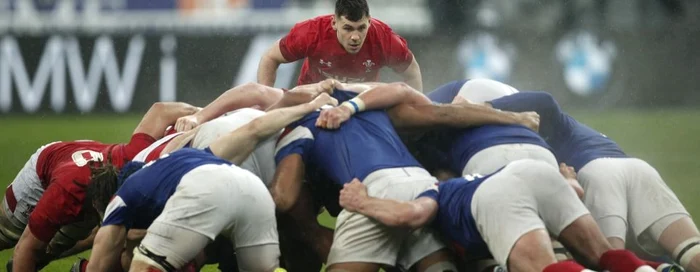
<point>325,63</point>
<point>587,62</point>
<point>368,65</point>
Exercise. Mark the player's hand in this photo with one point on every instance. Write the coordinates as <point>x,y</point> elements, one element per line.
<point>529,119</point>
<point>332,118</point>
<point>186,123</point>
<point>570,174</point>
<point>328,85</point>
<point>322,100</point>
<point>352,195</point>
<point>79,266</point>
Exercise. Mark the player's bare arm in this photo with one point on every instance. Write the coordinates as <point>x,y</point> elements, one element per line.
<point>412,75</point>
<point>269,62</point>
<point>410,214</point>
<point>287,182</point>
<point>237,145</point>
<point>106,252</point>
<point>304,93</point>
<point>161,115</point>
<point>379,97</point>
<point>28,251</point>
<point>406,116</point>
<point>242,96</point>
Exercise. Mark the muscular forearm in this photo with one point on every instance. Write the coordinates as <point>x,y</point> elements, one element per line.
<point>243,96</point>
<point>389,95</point>
<point>267,71</point>
<point>276,120</point>
<point>463,115</point>
<point>389,212</point>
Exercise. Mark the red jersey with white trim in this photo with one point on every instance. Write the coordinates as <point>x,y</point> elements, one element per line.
<point>315,40</point>
<point>64,171</point>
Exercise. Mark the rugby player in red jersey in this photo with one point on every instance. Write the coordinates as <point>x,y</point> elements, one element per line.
<point>43,212</point>
<point>348,46</point>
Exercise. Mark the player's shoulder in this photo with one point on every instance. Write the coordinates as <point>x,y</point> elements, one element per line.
<point>380,25</point>
<point>317,23</point>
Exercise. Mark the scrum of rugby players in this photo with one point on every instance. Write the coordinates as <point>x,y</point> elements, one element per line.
<point>476,176</point>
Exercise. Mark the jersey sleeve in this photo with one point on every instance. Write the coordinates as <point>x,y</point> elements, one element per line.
<point>56,208</point>
<point>126,152</point>
<point>294,140</point>
<point>431,193</point>
<point>297,44</point>
<point>117,213</point>
<point>396,52</point>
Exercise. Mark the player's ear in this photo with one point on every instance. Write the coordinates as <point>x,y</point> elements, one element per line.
<point>334,22</point>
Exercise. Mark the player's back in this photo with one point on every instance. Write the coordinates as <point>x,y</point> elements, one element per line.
<point>149,188</point>
<point>573,142</point>
<point>70,159</point>
<point>363,144</point>
<point>261,161</point>
<point>470,141</point>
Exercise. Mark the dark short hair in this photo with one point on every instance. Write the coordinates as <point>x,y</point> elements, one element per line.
<point>353,10</point>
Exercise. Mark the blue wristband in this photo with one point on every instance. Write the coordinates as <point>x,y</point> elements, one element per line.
<point>354,105</point>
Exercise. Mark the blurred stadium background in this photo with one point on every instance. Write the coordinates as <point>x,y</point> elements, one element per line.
<point>87,69</point>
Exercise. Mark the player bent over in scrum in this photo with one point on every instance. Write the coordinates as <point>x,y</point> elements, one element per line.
<point>507,214</point>
<point>626,196</point>
<point>44,204</point>
<point>189,191</point>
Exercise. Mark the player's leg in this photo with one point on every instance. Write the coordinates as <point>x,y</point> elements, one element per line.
<point>362,244</point>
<point>422,249</point>
<point>505,210</point>
<point>493,158</point>
<point>657,218</point>
<point>253,228</point>
<point>605,187</point>
<point>304,243</point>
<point>19,200</point>
<point>192,217</point>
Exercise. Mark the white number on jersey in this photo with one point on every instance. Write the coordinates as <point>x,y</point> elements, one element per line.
<point>82,157</point>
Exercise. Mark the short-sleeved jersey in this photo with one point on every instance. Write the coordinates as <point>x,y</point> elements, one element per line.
<point>64,171</point>
<point>454,219</point>
<point>573,142</point>
<point>315,40</point>
<point>365,143</point>
<point>143,195</point>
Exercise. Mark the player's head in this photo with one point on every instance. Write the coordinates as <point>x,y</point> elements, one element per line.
<point>482,90</point>
<point>106,180</point>
<point>351,22</point>
<point>103,180</point>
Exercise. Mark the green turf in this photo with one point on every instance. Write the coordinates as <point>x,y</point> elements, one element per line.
<point>668,139</point>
